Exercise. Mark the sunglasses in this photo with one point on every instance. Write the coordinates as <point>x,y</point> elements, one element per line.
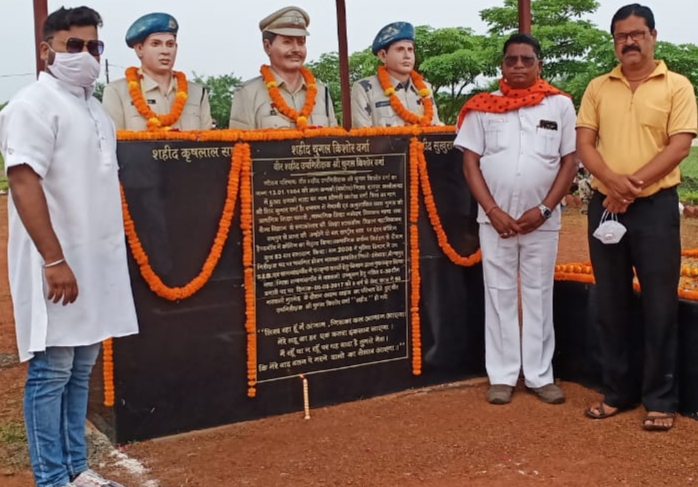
<point>74,45</point>
<point>527,61</point>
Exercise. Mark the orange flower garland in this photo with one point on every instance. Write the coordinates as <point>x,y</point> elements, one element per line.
<point>155,121</point>
<point>141,258</point>
<point>405,114</point>
<point>300,118</point>
<point>435,220</point>
<point>414,257</point>
<point>690,253</point>
<point>108,371</point>
<point>248,265</point>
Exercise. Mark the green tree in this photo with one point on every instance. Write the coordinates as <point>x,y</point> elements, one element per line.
<point>682,58</point>
<point>575,50</point>
<point>326,69</point>
<point>220,95</point>
<point>99,90</point>
<point>451,59</point>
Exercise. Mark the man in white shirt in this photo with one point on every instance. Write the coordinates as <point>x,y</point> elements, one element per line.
<point>66,253</point>
<point>519,159</point>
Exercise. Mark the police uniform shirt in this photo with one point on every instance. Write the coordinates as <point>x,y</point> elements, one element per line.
<point>370,107</point>
<point>117,102</point>
<point>252,106</point>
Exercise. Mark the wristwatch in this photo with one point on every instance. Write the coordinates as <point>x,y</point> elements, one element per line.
<point>545,211</point>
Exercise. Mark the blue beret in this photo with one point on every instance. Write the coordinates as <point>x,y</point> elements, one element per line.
<point>397,31</point>
<point>155,23</point>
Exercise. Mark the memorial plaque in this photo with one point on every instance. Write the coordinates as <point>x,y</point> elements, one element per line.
<point>330,254</point>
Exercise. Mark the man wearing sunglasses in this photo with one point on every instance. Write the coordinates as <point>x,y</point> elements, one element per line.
<point>154,96</point>
<point>66,253</point>
<point>519,158</point>
<point>635,126</point>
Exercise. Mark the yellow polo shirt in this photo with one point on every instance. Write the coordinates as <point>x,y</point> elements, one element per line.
<point>632,127</point>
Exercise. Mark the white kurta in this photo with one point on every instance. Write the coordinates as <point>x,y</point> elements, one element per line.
<point>66,137</point>
<point>520,158</point>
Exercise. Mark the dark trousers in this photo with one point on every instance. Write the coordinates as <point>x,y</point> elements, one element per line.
<point>652,245</point>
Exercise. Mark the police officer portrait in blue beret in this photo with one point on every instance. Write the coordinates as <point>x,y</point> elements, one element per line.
<point>396,95</point>
<point>153,96</point>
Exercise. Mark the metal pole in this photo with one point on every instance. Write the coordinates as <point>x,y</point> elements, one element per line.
<point>40,14</point>
<point>525,16</point>
<point>344,63</point>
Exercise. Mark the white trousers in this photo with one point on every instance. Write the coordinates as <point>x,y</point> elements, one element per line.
<point>509,347</point>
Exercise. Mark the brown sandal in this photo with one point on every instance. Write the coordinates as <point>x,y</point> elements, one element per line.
<point>650,422</point>
<point>601,414</point>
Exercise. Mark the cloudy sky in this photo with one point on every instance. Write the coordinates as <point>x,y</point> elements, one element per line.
<point>222,36</point>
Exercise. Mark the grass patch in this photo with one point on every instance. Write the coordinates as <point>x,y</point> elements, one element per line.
<point>13,433</point>
<point>688,190</point>
<point>689,166</point>
<point>3,179</point>
<point>14,452</point>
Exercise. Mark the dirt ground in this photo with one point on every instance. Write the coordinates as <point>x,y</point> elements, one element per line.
<point>444,436</point>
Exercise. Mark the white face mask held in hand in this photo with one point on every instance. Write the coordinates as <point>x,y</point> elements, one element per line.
<point>79,69</point>
<point>610,230</point>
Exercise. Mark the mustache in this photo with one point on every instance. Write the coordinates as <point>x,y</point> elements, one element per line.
<point>630,48</point>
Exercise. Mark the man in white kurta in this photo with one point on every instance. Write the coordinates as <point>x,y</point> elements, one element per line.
<point>66,252</point>
<point>519,162</point>
<point>66,138</point>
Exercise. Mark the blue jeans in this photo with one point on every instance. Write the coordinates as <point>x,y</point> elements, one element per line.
<point>55,407</point>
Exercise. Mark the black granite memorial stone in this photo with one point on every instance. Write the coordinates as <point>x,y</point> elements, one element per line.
<point>452,296</point>
<point>331,257</point>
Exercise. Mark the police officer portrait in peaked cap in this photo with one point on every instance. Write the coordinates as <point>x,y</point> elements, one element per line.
<point>277,98</point>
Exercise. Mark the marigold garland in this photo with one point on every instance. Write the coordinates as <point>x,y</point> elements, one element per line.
<point>584,273</point>
<point>405,114</point>
<point>435,219</point>
<point>108,371</point>
<point>248,265</point>
<point>189,289</point>
<point>414,257</point>
<point>278,101</point>
<point>690,253</point>
<point>157,121</point>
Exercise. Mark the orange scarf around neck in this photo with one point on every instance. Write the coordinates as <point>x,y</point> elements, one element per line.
<point>512,99</point>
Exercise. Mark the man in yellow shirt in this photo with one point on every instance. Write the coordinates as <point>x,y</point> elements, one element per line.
<point>635,126</point>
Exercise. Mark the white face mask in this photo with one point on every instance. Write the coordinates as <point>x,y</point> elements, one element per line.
<point>610,231</point>
<point>79,69</point>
